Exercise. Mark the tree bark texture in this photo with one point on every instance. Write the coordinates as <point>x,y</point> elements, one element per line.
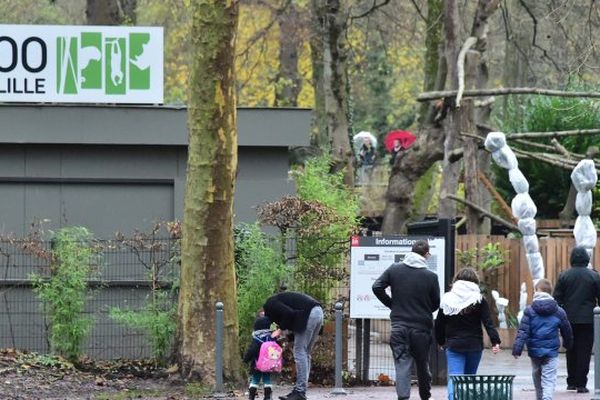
<point>207,263</point>
<point>110,12</point>
<point>450,169</point>
<point>428,148</point>
<point>335,88</point>
<point>471,166</point>
<point>433,40</point>
<point>319,137</point>
<point>288,77</point>
<point>441,129</point>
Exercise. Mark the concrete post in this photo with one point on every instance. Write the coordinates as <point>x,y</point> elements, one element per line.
<point>596,353</point>
<point>339,337</point>
<point>219,390</point>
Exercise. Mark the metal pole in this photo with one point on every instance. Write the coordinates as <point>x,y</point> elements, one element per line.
<point>339,335</point>
<point>219,390</point>
<point>366,350</point>
<point>596,353</point>
<point>359,348</point>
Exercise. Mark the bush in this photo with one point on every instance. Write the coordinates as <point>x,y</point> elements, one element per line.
<point>64,291</point>
<point>260,271</point>
<point>322,252</point>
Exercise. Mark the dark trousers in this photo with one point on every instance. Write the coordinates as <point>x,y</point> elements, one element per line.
<point>410,346</point>
<point>578,357</point>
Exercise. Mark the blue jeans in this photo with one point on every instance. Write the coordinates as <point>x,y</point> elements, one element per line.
<point>303,345</point>
<point>544,376</point>
<point>461,363</point>
<point>257,376</point>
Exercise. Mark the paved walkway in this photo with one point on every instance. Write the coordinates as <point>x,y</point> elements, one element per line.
<point>499,364</point>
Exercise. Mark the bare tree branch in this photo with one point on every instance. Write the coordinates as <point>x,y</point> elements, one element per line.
<point>374,7</point>
<point>460,67</point>
<point>418,10</point>
<point>535,31</point>
<point>482,211</point>
<point>427,96</point>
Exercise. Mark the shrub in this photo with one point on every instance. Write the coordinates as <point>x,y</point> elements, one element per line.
<point>64,291</point>
<point>260,270</point>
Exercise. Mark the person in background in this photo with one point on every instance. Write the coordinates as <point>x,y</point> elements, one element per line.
<point>303,315</point>
<point>463,310</point>
<point>366,155</point>
<point>539,328</point>
<point>395,150</point>
<point>577,291</point>
<point>415,296</point>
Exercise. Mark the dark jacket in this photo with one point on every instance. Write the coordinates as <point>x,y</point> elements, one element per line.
<point>577,290</point>
<point>463,332</point>
<point>415,294</point>
<point>290,310</point>
<point>261,333</point>
<point>539,329</point>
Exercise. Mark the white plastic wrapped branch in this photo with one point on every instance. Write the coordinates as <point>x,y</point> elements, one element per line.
<point>494,141</point>
<point>523,207</point>
<point>505,158</point>
<point>536,265</point>
<point>583,203</point>
<point>585,232</point>
<point>518,181</point>
<point>584,178</point>
<point>527,226</point>
<point>531,244</point>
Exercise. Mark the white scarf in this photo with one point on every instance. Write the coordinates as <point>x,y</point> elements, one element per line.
<point>462,295</point>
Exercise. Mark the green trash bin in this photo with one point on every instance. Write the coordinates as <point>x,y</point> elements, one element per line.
<point>482,387</point>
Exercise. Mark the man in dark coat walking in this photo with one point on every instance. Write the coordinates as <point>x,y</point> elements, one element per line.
<point>578,292</point>
<point>415,296</point>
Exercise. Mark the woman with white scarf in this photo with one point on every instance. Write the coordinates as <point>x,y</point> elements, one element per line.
<point>462,312</point>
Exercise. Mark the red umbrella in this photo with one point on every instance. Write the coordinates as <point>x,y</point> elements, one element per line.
<point>405,137</point>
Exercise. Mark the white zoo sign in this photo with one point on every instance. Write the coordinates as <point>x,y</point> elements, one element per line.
<point>81,64</point>
<point>370,256</point>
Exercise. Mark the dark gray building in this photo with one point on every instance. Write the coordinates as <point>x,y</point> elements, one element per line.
<point>114,169</point>
<point>120,168</point>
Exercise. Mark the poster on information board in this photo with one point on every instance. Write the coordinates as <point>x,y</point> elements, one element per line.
<point>370,256</point>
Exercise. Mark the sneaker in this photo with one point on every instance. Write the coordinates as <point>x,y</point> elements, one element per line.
<point>285,397</point>
<point>582,390</point>
<point>296,396</point>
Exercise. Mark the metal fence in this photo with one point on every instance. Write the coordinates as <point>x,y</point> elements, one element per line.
<point>125,271</point>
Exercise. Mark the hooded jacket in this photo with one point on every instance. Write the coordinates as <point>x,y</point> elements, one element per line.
<point>415,292</point>
<point>260,334</point>
<point>539,328</point>
<point>578,289</point>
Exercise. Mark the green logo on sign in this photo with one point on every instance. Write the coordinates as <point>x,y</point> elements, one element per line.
<point>111,64</point>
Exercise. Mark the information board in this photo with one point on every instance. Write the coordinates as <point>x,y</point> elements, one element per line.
<point>370,256</point>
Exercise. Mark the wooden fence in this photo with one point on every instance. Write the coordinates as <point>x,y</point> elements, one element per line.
<point>555,251</point>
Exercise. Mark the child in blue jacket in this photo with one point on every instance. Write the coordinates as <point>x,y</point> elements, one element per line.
<point>539,329</point>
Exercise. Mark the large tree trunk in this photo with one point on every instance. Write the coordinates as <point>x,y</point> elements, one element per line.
<point>477,160</point>
<point>428,148</point>
<point>288,82</point>
<point>320,136</point>
<point>110,12</point>
<point>335,89</point>
<point>450,167</point>
<point>207,264</point>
